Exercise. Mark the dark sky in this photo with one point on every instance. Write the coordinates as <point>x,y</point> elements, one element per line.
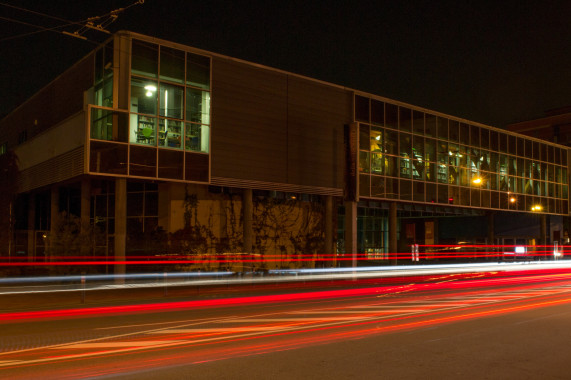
<point>494,62</point>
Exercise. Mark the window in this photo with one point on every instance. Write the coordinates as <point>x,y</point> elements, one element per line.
<point>144,96</point>
<point>172,65</point>
<point>197,106</point>
<point>103,84</point>
<point>171,101</point>
<point>144,59</point>
<point>196,137</point>
<point>198,71</point>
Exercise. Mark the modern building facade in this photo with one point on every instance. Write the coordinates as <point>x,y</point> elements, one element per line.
<point>148,147</point>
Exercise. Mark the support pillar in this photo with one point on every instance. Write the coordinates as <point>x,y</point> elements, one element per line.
<point>54,215</point>
<point>120,227</point>
<point>329,251</point>
<point>491,234</point>
<point>351,231</point>
<point>543,231</point>
<point>393,232</point>
<point>85,216</point>
<point>247,213</point>
<point>31,227</point>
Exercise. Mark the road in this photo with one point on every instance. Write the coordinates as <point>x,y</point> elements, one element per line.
<point>469,326</point>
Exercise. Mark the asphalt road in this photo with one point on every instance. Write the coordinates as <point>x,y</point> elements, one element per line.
<point>453,327</point>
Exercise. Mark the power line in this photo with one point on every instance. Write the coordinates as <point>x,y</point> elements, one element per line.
<point>90,23</point>
<point>38,13</point>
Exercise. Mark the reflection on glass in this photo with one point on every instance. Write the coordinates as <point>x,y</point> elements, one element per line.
<point>376,139</point>
<point>377,163</point>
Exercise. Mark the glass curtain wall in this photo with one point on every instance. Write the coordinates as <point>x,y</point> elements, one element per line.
<point>421,157</point>
<point>168,121</point>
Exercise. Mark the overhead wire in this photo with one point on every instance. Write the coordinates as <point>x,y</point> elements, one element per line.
<point>84,24</point>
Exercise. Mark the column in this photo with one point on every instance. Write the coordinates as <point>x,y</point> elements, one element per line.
<point>329,233</point>
<point>491,234</point>
<point>85,216</point>
<point>393,232</point>
<point>351,231</point>
<point>247,213</point>
<point>54,215</point>
<point>120,227</point>
<point>31,227</point>
<point>543,232</point>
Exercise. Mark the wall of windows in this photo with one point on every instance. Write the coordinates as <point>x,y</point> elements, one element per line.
<point>170,98</point>
<point>416,156</point>
<point>166,128</point>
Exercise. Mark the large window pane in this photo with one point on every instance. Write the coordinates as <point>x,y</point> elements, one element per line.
<point>198,71</point>
<point>109,125</point>
<point>364,162</point>
<point>144,59</point>
<point>172,65</point>
<point>143,161</point>
<point>418,122</point>
<point>171,100</point>
<point>196,167</point>
<point>442,128</point>
<point>454,130</point>
<point>143,96</point>
<point>377,112</point>
<point>105,157</point>
<point>391,116</point>
<point>197,137</point>
<point>171,164</point>
<point>143,130</point>
<point>377,163</point>
<point>170,133</point>
<point>405,119</point>
<point>197,106</point>
<point>430,125</point>
<point>361,108</point>
<point>376,139</point>
<point>364,137</point>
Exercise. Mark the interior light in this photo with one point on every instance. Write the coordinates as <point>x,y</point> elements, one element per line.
<point>151,88</point>
<point>477,180</point>
<point>512,199</point>
<point>378,137</point>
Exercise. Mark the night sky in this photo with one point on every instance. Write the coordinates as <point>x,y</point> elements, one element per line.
<point>493,62</point>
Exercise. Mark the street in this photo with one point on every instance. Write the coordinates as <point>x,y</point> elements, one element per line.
<point>475,325</point>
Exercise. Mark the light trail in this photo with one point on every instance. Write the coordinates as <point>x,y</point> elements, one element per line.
<point>500,296</point>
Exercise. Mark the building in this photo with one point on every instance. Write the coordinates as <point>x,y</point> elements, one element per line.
<point>148,147</point>
<point>554,127</point>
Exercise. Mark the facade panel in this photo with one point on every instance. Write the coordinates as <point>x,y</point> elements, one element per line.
<point>250,117</point>
<point>316,116</point>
